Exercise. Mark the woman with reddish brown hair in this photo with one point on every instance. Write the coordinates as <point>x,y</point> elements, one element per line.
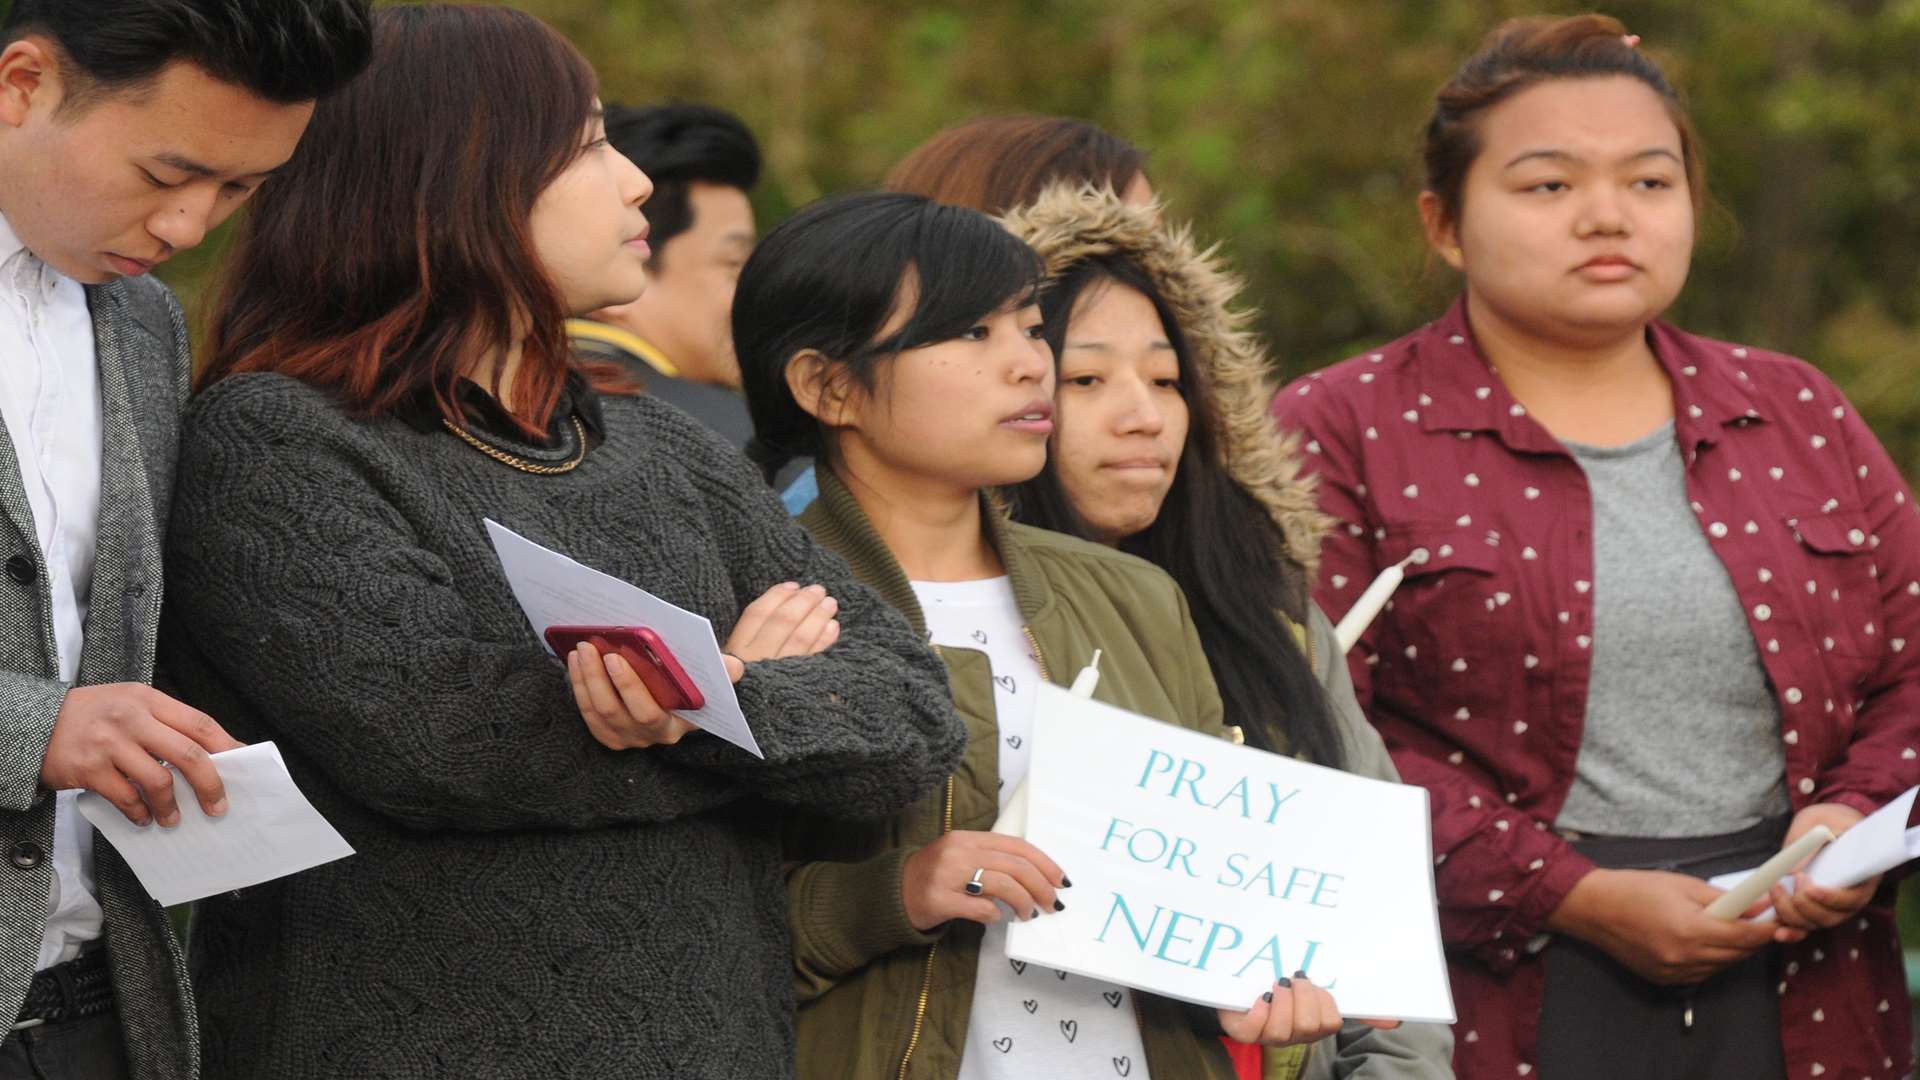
<point>555,876</point>
<point>998,163</point>
<point>1659,598</point>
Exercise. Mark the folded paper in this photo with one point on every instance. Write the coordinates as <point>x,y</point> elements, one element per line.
<point>270,830</point>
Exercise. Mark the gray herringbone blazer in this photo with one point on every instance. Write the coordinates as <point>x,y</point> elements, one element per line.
<point>141,339</point>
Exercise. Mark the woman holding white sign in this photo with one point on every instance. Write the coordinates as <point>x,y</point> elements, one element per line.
<point>898,343</point>
<point>1163,436</point>
<point>1659,601</point>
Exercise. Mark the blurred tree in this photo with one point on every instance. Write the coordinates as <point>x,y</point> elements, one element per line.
<point>1288,129</point>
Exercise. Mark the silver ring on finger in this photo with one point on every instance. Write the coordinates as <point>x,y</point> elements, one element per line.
<point>976,887</point>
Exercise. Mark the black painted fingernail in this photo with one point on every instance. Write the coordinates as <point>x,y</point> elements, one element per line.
<point>1066,882</point>
<point>1036,914</point>
<point>1285,984</point>
<point>1300,975</point>
<point>1058,906</point>
<point>1267,997</point>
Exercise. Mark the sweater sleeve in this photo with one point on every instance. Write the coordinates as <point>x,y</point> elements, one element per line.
<point>862,730</point>
<point>301,586</point>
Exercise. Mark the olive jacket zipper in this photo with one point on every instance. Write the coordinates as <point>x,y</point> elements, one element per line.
<point>946,826</point>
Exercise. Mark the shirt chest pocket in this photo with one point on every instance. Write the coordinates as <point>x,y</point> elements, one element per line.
<point>1837,589</point>
<point>1441,634</point>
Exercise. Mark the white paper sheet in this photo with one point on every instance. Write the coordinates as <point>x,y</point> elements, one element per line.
<point>555,590</point>
<point>1872,847</point>
<point>270,830</point>
<point>1203,870</point>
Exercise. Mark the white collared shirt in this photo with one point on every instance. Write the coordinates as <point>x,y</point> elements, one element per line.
<point>50,403</point>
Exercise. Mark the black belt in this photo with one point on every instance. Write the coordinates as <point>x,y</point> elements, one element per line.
<point>76,990</point>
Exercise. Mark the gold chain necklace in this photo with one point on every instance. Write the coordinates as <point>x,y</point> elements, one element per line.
<point>504,458</point>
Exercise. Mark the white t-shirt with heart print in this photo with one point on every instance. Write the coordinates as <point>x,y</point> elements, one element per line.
<point>1027,1021</point>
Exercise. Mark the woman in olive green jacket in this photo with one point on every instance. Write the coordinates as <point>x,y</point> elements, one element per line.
<point>1156,370</point>
<point>898,342</point>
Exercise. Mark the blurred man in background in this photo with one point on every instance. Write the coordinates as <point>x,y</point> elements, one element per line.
<point>703,162</point>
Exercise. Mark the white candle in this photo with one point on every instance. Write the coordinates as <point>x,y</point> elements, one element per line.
<point>1013,820</point>
<point>1738,899</point>
<point>1371,602</point>
<point>1088,678</point>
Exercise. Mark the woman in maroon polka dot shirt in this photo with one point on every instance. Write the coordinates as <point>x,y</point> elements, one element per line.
<point>1659,602</point>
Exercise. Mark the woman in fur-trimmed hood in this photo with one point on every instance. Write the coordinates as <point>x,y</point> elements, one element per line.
<point>1164,446</point>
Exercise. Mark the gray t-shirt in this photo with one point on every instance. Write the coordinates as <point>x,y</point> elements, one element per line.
<point>1682,733</point>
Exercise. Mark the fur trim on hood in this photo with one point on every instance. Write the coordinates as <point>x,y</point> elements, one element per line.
<point>1066,225</point>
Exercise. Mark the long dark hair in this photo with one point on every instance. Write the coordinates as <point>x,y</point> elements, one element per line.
<point>831,278</point>
<point>1213,538</point>
<point>396,246</point>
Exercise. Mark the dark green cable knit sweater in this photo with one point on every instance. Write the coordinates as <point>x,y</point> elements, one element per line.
<point>525,902</point>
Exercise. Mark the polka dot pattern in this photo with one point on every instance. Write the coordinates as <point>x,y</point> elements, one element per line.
<point>1482,661</point>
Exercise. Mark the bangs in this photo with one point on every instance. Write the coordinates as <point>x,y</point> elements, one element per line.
<point>963,267</point>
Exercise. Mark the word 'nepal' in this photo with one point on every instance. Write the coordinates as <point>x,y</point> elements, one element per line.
<point>1197,941</point>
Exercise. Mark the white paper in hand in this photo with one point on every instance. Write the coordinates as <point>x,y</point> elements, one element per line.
<point>1870,848</point>
<point>270,830</point>
<point>557,591</point>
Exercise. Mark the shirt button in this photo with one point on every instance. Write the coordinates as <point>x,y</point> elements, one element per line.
<point>20,569</point>
<point>26,855</point>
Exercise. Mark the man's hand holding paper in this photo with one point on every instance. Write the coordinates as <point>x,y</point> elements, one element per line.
<point>111,740</point>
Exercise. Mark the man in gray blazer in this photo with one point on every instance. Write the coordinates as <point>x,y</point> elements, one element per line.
<point>128,129</point>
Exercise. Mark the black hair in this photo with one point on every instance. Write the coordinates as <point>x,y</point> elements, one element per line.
<point>678,145</point>
<point>831,279</point>
<point>1214,539</point>
<point>286,51</point>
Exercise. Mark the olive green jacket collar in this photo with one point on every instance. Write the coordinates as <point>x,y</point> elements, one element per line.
<point>837,520</point>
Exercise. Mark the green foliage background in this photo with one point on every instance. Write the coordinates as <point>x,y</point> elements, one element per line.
<point>1287,129</point>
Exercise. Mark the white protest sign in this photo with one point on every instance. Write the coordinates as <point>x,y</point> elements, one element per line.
<point>1204,870</point>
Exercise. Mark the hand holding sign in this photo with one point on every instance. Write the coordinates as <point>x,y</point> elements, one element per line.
<point>1293,1012</point>
<point>1012,871</point>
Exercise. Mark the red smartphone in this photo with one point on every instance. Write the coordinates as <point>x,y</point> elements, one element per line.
<point>644,652</point>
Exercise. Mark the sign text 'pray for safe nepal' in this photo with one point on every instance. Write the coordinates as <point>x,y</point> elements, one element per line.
<point>1204,870</point>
